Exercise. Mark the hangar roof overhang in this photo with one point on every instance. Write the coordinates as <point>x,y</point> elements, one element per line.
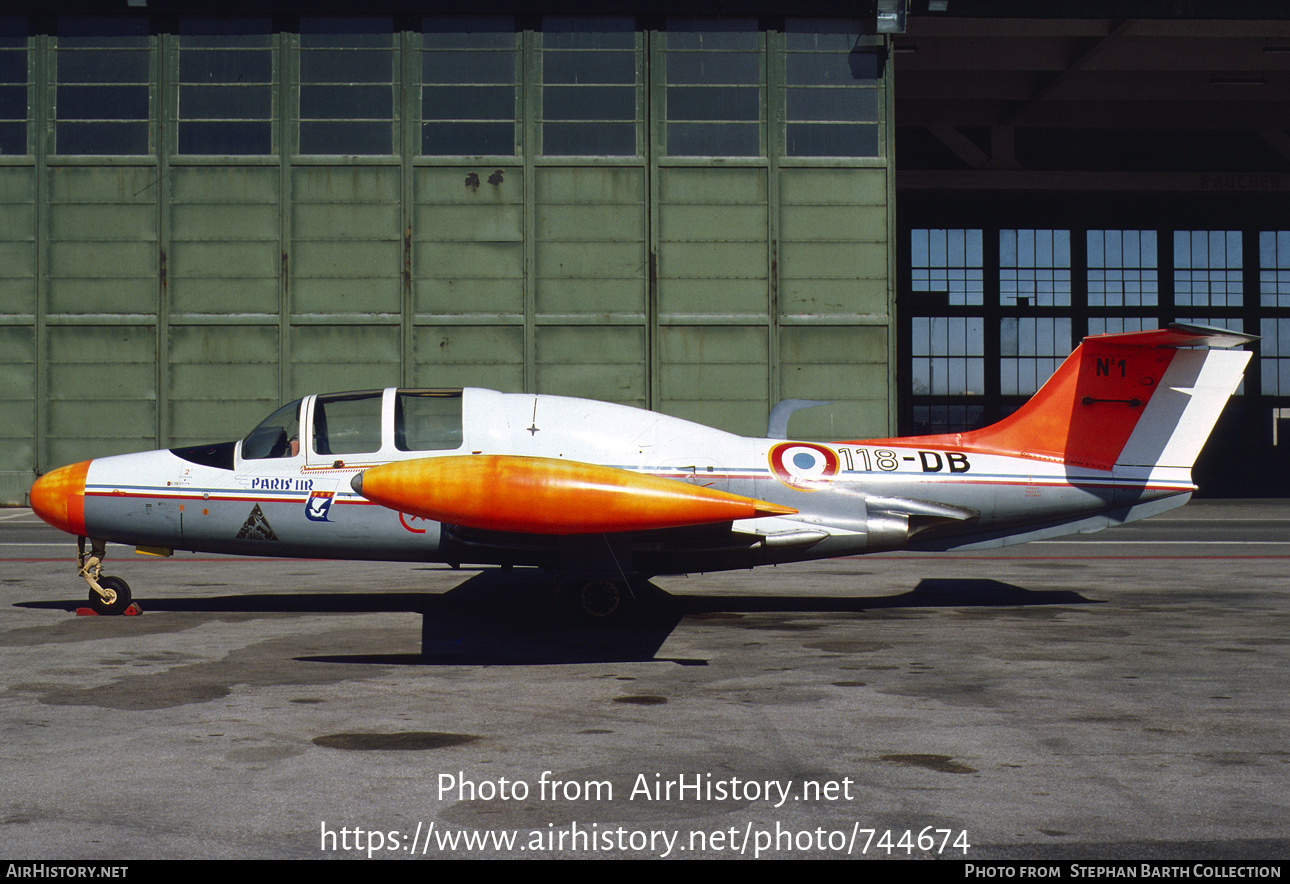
<point>1112,103</point>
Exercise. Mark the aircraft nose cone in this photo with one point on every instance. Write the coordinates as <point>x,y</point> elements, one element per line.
<point>58,497</point>
<point>357,483</point>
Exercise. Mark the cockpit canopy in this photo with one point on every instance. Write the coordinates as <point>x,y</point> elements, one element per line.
<point>276,434</point>
<point>344,424</point>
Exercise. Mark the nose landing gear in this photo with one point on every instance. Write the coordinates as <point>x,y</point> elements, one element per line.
<point>108,595</point>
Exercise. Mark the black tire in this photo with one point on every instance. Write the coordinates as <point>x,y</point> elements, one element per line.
<point>123,597</point>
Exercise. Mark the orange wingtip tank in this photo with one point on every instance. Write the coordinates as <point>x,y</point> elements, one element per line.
<point>539,495</point>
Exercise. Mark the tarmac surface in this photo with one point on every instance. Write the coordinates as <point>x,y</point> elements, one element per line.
<point>1121,695</point>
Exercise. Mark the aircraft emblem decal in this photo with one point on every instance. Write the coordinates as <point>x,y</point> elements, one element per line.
<point>802,465</point>
<point>319,505</point>
<point>404,521</point>
<point>256,527</point>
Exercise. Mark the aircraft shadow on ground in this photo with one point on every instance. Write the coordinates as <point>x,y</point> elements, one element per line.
<point>519,617</point>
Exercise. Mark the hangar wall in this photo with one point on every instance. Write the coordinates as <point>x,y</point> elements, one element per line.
<point>200,219</point>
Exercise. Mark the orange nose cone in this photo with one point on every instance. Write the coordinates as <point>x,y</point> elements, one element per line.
<point>59,497</point>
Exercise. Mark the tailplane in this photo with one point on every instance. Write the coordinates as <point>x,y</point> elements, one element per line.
<point>1145,399</point>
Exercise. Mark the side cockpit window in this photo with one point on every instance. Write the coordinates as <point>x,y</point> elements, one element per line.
<point>348,424</point>
<point>427,420</point>
<point>278,435</point>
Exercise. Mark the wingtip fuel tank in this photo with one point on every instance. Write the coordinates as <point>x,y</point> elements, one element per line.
<point>542,495</point>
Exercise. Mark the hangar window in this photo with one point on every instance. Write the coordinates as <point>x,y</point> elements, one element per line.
<point>1274,268</point>
<point>1274,359</point>
<point>427,420</point>
<point>589,87</point>
<point>225,86</point>
<point>1107,325</point>
<point>714,96</point>
<point>948,262</point>
<point>1207,268</point>
<point>1031,348</point>
<point>1122,268</point>
<point>946,418</point>
<point>348,424</point>
<point>13,86</point>
<point>347,82</point>
<point>1035,268</point>
<point>469,76</point>
<point>832,96</point>
<point>103,98</point>
<point>948,355</point>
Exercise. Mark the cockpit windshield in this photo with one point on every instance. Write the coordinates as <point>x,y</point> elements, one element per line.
<point>278,435</point>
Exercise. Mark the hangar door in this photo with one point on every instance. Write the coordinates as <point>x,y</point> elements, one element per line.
<point>227,215</point>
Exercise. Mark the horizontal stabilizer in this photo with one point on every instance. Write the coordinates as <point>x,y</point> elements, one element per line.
<point>542,495</point>
<point>1178,334</point>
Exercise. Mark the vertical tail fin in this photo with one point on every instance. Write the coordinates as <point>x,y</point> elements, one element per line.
<point>1132,399</point>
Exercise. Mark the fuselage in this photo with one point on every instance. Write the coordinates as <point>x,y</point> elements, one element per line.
<point>285,490</point>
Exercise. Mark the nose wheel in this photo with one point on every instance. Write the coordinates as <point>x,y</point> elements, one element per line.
<point>115,597</point>
<point>109,596</point>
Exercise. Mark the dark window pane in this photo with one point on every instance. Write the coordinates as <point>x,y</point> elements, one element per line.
<point>589,33</point>
<point>219,32</point>
<point>710,34</point>
<point>13,66</point>
<point>347,138</point>
<point>712,139</point>
<point>13,139</point>
<point>468,67</point>
<point>102,138</point>
<point>346,102</point>
<point>225,102</point>
<point>13,31</point>
<point>102,66</point>
<point>226,138</point>
<point>468,102</point>
<point>710,103</point>
<point>376,32</point>
<point>468,139</point>
<point>589,67</point>
<point>833,104</point>
<point>589,103</point>
<point>346,66</point>
<point>712,67</point>
<point>832,140</point>
<point>837,35</point>
<point>103,102</point>
<point>225,66</point>
<point>589,139</point>
<point>452,32</point>
<point>13,102</point>
<point>131,32</point>
<point>831,69</point>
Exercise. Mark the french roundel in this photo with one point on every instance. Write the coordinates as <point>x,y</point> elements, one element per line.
<point>802,465</point>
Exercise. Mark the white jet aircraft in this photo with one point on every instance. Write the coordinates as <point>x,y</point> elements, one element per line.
<point>603,495</point>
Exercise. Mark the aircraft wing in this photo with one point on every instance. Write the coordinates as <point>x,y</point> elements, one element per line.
<point>550,496</point>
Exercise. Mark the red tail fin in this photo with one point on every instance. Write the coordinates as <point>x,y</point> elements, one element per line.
<point>1089,409</point>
